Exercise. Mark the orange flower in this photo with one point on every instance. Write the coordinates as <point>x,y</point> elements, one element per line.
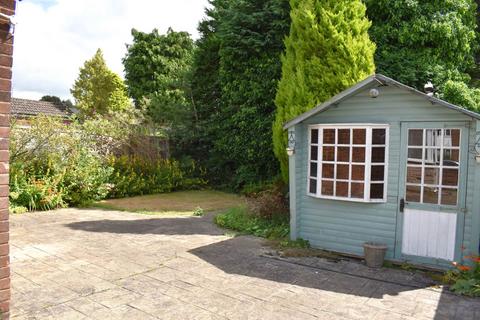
<point>464,268</point>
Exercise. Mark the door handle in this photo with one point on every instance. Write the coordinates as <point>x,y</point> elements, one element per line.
<point>402,205</point>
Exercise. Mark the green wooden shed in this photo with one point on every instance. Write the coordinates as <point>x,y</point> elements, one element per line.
<point>382,162</point>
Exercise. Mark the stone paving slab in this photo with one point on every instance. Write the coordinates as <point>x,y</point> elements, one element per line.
<point>95,264</point>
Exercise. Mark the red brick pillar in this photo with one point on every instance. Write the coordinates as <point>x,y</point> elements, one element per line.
<point>6,50</point>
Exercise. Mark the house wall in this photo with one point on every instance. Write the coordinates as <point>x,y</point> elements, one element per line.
<point>6,51</point>
<point>344,226</point>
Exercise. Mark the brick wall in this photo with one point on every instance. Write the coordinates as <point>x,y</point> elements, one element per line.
<point>6,50</point>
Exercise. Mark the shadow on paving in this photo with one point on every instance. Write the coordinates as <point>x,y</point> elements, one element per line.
<point>236,256</point>
<point>163,226</point>
<point>243,256</point>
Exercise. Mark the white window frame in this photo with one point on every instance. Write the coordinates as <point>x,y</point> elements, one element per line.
<point>368,162</point>
<point>422,165</point>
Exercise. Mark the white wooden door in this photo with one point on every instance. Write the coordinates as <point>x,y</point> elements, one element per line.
<point>432,191</point>
<point>429,234</point>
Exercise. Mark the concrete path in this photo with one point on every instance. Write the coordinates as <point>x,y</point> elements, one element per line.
<point>91,264</point>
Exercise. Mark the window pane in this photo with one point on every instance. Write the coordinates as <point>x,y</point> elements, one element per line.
<point>449,197</point>
<point>328,153</point>
<point>359,136</point>
<point>415,156</point>
<point>342,189</point>
<point>413,193</point>
<point>379,136</point>
<point>432,157</point>
<point>314,138</point>
<point>329,136</point>
<point>327,171</point>
<point>343,171</point>
<point>344,136</point>
<point>451,157</point>
<point>450,177</point>
<point>313,186</point>
<point>357,190</point>
<point>358,173</point>
<point>433,137</point>
<point>414,175</point>
<point>314,153</point>
<point>376,191</point>
<point>415,137</point>
<point>451,138</point>
<point>358,154</point>
<point>343,154</point>
<point>313,169</point>
<point>430,195</point>
<point>378,154</point>
<point>432,176</point>
<point>377,173</point>
<point>327,188</point>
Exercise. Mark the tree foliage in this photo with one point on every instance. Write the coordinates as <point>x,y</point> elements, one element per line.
<point>157,71</point>
<point>157,66</point>
<point>236,69</point>
<point>424,40</point>
<point>328,50</point>
<point>98,90</point>
<point>68,103</point>
<point>206,90</point>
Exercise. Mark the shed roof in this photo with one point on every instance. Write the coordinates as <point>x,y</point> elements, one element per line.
<point>25,107</point>
<point>381,80</point>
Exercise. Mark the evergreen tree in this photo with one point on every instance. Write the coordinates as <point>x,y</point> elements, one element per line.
<point>98,90</point>
<point>206,91</point>
<point>236,69</point>
<point>251,35</point>
<point>328,50</point>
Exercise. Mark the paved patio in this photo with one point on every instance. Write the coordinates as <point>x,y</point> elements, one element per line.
<point>93,264</point>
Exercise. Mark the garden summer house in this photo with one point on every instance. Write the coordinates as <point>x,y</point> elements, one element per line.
<point>382,162</point>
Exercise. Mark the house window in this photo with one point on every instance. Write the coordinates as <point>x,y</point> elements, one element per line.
<point>348,162</point>
<point>433,166</point>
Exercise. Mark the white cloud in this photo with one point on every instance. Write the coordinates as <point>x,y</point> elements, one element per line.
<point>54,38</point>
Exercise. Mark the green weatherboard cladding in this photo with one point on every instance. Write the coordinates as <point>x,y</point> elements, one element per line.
<point>344,226</point>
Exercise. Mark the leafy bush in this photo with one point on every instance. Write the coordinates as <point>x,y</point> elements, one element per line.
<point>465,279</point>
<point>138,176</point>
<point>52,166</point>
<point>55,165</point>
<point>240,219</point>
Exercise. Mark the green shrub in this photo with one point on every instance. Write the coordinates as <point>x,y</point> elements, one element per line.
<point>55,165</point>
<point>465,278</point>
<point>138,176</point>
<point>198,212</point>
<point>241,220</point>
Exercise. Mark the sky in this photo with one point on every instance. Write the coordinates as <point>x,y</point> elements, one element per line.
<point>53,38</point>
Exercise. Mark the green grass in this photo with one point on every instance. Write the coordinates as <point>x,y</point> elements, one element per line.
<point>105,206</point>
<point>183,203</point>
<point>240,220</point>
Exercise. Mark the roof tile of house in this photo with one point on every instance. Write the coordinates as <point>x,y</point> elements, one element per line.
<point>25,107</point>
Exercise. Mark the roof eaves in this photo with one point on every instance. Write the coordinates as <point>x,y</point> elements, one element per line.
<point>384,80</point>
<point>333,101</point>
<point>433,100</point>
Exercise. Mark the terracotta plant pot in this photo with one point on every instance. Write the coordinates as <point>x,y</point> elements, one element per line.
<point>374,254</point>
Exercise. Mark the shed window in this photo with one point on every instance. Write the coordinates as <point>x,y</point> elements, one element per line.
<point>433,166</point>
<point>348,162</point>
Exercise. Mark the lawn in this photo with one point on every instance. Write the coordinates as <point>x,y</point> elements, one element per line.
<point>177,203</point>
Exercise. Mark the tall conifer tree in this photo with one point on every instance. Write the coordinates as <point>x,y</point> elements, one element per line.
<point>328,50</point>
